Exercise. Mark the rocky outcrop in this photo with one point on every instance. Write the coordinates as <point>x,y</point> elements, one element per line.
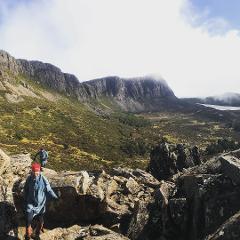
<point>163,162</point>
<point>85,197</point>
<point>168,159</point>
<point>199,203</point>
<point>8,63</point>
<point>231,167</point>
<point>133,94</point>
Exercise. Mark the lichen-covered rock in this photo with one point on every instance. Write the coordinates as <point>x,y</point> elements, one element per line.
<point>96,232</point>
<point>140,218</point>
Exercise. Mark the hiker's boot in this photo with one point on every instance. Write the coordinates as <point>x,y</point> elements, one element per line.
<point>39,229</point>
<point>28,233</point>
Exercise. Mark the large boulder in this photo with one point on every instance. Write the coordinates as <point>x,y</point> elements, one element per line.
<point>162,164</point>
<point>231,167</point>
<point>211,200</point>
<point>151,219</point>
<point>166,160</point>
<point>229,230</point>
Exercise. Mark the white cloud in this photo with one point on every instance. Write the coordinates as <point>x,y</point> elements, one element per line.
<point>93,38</point>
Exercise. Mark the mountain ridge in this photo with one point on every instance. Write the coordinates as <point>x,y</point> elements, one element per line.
<point>131,94</point>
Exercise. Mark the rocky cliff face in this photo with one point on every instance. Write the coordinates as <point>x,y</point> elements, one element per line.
<point>140,94</point>
<point>133,94</point>
<point>200,203</point>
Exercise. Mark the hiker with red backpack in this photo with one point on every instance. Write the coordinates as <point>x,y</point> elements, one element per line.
<point>36,190</point>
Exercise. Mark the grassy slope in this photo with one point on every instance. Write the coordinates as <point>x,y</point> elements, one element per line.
<point>75,136</point>
<point>79,138</point>
<point>189,128</point>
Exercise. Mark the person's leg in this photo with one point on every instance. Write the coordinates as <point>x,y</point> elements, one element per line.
<point>40,222</point>
<point>29,218</point>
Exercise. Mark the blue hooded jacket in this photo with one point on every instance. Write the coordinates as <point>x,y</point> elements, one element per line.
<point>36,190</point>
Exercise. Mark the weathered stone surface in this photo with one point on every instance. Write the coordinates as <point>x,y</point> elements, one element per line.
<point>198,204</point>
<point>166,160</point>
<point>7,62</point>
<point>179,213</point>
<point>4,162</point>
<point>132,186</point>
<point>101,197</point>
<point>195,154</point>
<point>8,224</point>
<point>137,174</point>
<point>212,166</point>
<point>228,231</point>
<point>211,199</point>
<point>231,167</point>
<point>162,165</point>
<point>140,218</point>
<point>96,232</point>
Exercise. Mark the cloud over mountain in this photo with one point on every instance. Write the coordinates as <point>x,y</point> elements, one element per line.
<point>127,38</point>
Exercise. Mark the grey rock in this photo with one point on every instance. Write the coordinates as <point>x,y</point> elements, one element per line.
<point>231,167</point>
<point>139,220</point>
<point>228,231</point>
<point>7,62</point>
<point>162,163</point>
<point>4,162</point>
<point>96,232</point>
<point>200,203</point>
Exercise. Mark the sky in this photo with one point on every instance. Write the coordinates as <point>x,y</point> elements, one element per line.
<point>193,44</point>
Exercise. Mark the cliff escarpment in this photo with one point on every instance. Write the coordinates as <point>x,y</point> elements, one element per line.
<point>131,94</point>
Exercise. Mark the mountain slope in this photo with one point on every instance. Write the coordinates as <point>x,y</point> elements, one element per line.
<point>88,125</point>
<point>135,94</point>
<point>79,132</point>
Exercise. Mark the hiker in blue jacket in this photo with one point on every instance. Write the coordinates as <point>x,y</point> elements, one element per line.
<point>36,190</point>
<point>43,156</point>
